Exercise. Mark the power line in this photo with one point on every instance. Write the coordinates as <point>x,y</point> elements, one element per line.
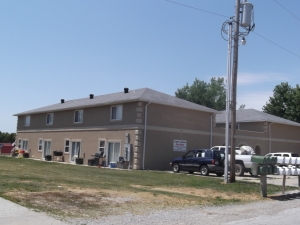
<point>191,7</point>
<point>287,10</point>
<point>276,44</point>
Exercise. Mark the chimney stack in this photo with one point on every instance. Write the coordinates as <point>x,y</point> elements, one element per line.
<point>126,90</point>
<point>62,101</point>
<point>91,96</point>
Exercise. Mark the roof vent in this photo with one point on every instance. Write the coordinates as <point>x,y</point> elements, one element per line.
<point>91,96</point>
<point>126,90</point>
<point>62,101</point>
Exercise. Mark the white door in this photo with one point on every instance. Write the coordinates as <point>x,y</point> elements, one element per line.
<point>114,151</point>
<point>75,150</point>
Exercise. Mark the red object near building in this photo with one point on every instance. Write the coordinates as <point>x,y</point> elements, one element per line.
<point>5,148</point>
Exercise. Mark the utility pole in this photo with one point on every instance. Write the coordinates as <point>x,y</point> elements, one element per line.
<point>233,93</point>
<point>246,22</point>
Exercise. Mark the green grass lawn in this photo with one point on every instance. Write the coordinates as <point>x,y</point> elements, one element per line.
<point>81,191</point>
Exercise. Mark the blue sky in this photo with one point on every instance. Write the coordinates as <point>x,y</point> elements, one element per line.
<point>69,49</point>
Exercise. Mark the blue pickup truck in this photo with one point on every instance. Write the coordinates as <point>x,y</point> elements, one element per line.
<point>204,161</point>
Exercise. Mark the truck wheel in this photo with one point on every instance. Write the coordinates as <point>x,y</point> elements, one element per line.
<point>239,170</point>
<point>204,170</point>
<point>176,168</point>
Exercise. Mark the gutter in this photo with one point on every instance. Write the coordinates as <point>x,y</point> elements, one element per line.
<point>145,133</point>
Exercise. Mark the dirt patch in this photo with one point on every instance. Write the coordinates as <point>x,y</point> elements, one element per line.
<point>207,193</point>
<point>94,203</point>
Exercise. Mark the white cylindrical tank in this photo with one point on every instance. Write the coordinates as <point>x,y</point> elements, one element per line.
<point>247,13</point>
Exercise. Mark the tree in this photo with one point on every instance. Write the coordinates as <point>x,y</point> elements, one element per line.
<point>285,102</point>
<point>212,95</point>
<point>7,137</point>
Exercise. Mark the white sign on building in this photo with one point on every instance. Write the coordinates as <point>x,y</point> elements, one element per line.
<point>179,145</point>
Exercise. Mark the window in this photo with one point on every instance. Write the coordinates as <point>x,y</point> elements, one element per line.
<point>27,121</point>
<point>49,119</point>
<point>25,144</point>
<point>67,146</point>
<point>190,154</point>
<point>40,144</point>
<point>101,146</point>
<point>116,112</point>
<point>19,143</point>
<point>78,116</point>
<point>208,154</point>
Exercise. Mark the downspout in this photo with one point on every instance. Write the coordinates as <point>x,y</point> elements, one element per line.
<point>270,137</point>
<point>145,132</point>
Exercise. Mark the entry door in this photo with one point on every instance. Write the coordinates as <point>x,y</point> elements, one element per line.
<point>75,150</point>
<point>47,148</point>
<point>114,150</point>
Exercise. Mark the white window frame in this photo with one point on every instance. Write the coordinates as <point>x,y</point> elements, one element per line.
<point>80,118</point>
<point>27,121</point>
<point>101,148</point>
<point>67,146</point>
<point>51,116</point>
<point>40,145</point>
<point>118,115</point>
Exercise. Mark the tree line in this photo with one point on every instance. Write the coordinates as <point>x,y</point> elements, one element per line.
<point>7,137</point>
<point>284,103</point>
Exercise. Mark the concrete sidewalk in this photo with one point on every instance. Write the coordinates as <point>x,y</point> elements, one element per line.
<point>14,214</point>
